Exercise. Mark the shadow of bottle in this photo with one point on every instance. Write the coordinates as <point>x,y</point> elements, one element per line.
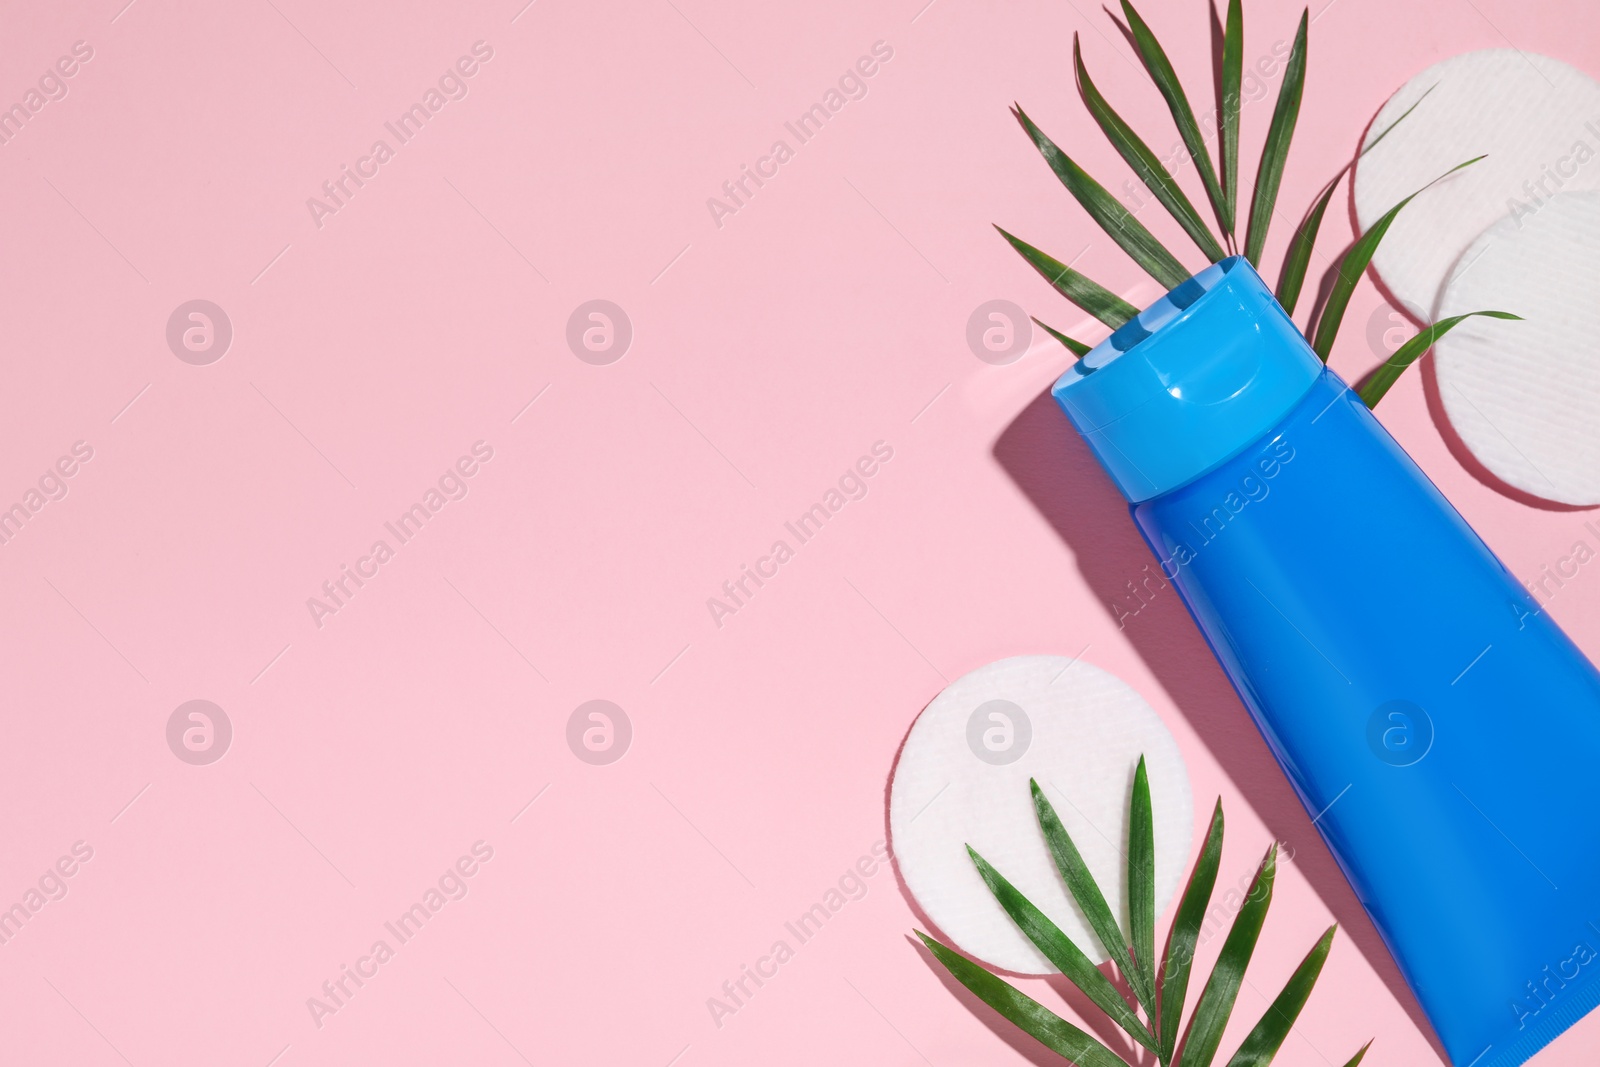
<point>1053,467</point>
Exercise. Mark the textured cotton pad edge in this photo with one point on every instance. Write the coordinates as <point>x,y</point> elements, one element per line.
<point>1524,397</point>
<point>1525,111</point>
<point>1085,732</point>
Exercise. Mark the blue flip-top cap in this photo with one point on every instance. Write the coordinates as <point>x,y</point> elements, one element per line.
<point>1190,382</point>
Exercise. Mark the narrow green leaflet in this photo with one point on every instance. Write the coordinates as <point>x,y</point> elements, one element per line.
<point>1158,1035</point>
<point>1161,72</point>
<point>1216,1001</point>
<point>1107,211</point>
<point>1175,968</point>
<point>1355,263</point>
<point>1377,384</point>
<point>1081,884</point>
<point>1299,254</point>
<point>1387,130</point>
<point>1262,1043</point>
<point>1059,950</point>
<point>1142,875</point>
<point>1228,117</point>
<point>1144,162</point>
<point>1276,151</point>
<point>1091,296</point>
<point>1298,257</point>
<point>1357,1058</point>
<point>1077,348</point>
<point>1039,1022</point>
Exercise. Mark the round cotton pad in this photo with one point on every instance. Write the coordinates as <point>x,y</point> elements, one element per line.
<point>963,777</point>
<point>1525,396</point>
<point>1538,121</point>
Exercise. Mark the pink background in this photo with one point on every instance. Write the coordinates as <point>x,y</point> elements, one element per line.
<point>768,354</point>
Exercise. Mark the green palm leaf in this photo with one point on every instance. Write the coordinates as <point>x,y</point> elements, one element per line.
<point>1161,72</point>
<point>1356,1059</point>
<point>1142,877</point>
<point>1378,382</point>
<point>1354,263</point>
<point>1262,1043</point>
<point>1296,260</point>
<point>1059,950</point>
<point>1144,162</point>
<point>1228,117</point>
<point>1298,257</point>
<point>1107,211</point>
<point>1033,1018</point>
<point>1222,988</point>
<point>1216,1002</point>
<point>1387,130</point>
<point>1090,295</point>
<point>1077,348</point>
<point>1276,151</point>
<point>1081,884</point>
<point>1175,968</point>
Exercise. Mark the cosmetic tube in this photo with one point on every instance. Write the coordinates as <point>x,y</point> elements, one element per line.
<point>1439,727</point>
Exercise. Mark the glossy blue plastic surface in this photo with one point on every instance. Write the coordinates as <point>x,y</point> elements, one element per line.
<point>1445,729</point>
<point>1440,728</point>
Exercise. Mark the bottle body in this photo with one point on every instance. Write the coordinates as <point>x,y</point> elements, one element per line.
<point>1437,725</point>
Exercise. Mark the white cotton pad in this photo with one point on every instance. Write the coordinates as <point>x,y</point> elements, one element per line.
<point>1525,396</point>
<point>963,777</point>
<point>1537,119</point>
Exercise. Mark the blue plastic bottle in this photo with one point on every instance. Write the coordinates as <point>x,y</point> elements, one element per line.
<point>1442,729</point>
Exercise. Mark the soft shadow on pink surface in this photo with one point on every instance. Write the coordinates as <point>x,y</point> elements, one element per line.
<point>1051,465</point>
<point>1095,1021</point>
<point>1463,455</point>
